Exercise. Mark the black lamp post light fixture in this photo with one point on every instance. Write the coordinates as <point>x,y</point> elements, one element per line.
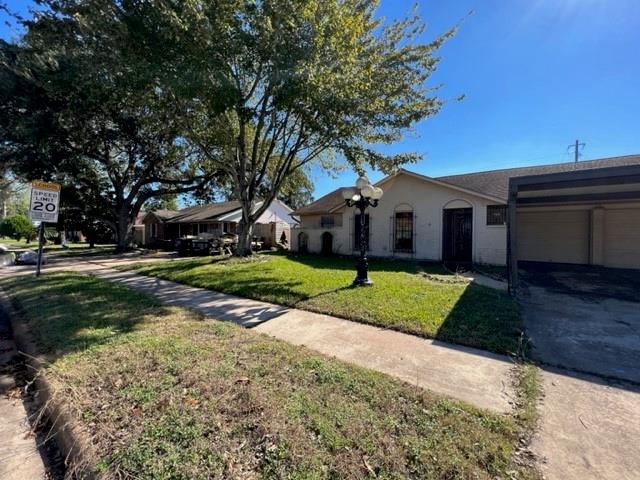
<point>362,196</point>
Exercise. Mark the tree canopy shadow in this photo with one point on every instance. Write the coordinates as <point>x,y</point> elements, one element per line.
<point>484,318</point>
<point>82,312</point>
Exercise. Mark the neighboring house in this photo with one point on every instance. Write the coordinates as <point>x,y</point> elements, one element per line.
<point>138,228</point>
<point>585,213</point>
<point>216,219</point>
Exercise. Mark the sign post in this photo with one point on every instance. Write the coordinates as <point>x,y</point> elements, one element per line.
<point>45,199</point>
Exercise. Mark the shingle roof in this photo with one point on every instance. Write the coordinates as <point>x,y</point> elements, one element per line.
<point>164,214</point>
<point>496,182</point>
<point>200,213</point>
<point>323,204</point>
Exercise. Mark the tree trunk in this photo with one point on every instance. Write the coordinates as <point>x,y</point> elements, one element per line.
<point>91,234</point>
<point>245,227</point>
<point>245,233</point>
<point>124,234</point>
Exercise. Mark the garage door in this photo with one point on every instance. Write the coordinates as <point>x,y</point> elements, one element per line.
<point>622,238</point>
<point>554,236</point>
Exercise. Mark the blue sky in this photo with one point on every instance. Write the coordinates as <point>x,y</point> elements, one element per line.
<point>537,75</point>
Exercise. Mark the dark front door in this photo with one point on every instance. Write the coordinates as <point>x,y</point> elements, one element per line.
<point>327,243</point>
<point>457,234</point>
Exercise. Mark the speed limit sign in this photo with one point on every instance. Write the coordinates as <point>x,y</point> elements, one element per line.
<point>45,198</point>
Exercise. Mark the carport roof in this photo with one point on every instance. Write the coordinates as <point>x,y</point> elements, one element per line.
<point>613,183</point>
<point>496,182</point>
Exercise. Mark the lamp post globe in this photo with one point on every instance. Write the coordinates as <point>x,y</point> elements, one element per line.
<point>363,196</point>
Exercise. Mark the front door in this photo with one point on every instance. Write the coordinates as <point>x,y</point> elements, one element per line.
<point>457,235</point>
<point>327,243</point>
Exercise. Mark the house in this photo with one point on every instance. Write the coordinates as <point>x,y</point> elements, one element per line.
<point>583,213</point>
<point>216,219</point>
<point>138,228</point>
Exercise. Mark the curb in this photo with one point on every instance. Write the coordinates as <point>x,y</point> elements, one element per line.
<point>71,441</point>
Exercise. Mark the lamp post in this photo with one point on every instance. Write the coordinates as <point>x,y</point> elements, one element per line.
<point>362,196</point>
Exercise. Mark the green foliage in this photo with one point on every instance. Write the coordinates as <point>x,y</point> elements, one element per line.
<point>297,189</point>
<point>82,105</point>
<point>14,196</point>
<point>282,84</point>
<point>17,227</point>
<point>164,202</point>
<point>138,100</point>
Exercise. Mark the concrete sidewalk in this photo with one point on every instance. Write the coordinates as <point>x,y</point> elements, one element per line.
<point>480,378</point>
<point>475,376</point>
<point>19,455</point>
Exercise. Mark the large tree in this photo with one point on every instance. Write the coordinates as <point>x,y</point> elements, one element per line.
<point>156,97</point>
<point>83,104</point>
<point>296,190</point>
<point>13,195</point>
<point>282,83</point>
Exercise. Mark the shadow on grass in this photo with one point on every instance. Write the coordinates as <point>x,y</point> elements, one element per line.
<point>484,318</point>
<point>81,312</point>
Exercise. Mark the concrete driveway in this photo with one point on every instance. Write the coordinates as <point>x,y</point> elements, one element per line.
<point>584,324</point>
<point>584,319</point>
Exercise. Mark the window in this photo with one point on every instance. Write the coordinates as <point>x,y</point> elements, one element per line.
<point>203,228</point>
<point>154,230</point>
<point>403,227</point>
<point>356,231</point>
<point>327,221</point>
<point>496,214</point>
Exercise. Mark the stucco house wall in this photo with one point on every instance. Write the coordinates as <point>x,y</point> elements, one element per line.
<point>426,200</point>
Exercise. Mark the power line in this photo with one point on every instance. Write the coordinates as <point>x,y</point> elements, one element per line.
<point>576,149</point>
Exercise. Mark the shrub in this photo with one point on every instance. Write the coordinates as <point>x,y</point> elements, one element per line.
<point>17,227</point>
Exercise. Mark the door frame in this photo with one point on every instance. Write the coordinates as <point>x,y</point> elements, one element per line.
<point>445,232</point>
<point>326,235</point>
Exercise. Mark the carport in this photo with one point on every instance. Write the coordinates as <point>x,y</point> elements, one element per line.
<point>585,217</point>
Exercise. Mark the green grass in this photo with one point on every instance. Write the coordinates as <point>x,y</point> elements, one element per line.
<point>78,249</point>
<point>74,248</point>
<point>164,395</point>
<point>418,299</point>
<point>10,242</point>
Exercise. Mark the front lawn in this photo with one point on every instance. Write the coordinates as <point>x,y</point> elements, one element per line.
<point>73,248</point>
<point>163,395</point>
<point>423,300</point>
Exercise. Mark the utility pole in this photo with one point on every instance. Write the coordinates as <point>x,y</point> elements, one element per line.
<point>576,149</point>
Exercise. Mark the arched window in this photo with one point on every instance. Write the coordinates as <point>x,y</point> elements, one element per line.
<point>403,229</point>
<point>303,243</point>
